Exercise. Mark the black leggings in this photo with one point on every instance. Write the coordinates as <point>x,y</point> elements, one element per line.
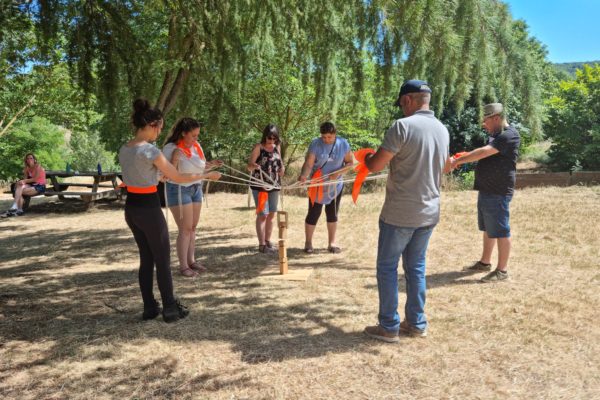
<point>331,211</point>
<point>152,237</point>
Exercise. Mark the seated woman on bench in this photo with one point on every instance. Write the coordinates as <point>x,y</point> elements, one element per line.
<point>32,184</point>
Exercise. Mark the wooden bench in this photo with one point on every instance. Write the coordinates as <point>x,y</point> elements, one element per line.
<point>60,188</point>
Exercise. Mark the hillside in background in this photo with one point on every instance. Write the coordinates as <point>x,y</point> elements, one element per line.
<point>571,67</point>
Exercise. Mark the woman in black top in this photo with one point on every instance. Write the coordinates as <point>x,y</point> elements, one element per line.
<point>266,166</point>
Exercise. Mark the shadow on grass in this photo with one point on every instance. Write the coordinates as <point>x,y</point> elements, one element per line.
<point>441,279</point>
<point>72,308</point>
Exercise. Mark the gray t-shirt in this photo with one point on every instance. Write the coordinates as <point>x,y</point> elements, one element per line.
<point>137,165</point>
<point>420,144</point>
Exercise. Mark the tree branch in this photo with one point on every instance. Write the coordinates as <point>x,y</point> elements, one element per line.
<point>13,119</point>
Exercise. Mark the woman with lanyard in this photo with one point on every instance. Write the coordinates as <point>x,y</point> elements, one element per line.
<point>267,168</point>
<point>32,184</point>
<point>140,163</point>
<point>325,156</point>
<point>185,200</point>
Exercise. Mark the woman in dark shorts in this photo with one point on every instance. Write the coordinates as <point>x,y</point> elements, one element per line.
<point>140,162</point>
<point>32,184</point>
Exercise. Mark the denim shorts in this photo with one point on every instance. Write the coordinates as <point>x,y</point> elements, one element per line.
<point>39,188</point>
<point>189,194</point>
<point>493,214</point>
<point>271,204</point>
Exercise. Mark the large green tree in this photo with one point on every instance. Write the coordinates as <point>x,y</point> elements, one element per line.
<point>467,49</point>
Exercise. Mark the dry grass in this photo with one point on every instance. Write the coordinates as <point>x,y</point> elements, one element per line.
<point>70,309</point>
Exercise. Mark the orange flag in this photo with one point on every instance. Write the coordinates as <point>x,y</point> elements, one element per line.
<point>316,191</point>
<point>262,200</point>
<point>361,171</point>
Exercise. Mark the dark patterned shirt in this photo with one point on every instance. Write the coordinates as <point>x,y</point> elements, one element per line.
<point>271,164</point>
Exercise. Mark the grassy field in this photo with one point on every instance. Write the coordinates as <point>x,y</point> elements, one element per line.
<point>70,309</point>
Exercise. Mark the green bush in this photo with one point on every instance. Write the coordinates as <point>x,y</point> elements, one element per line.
<point>87,151</point>
<point>573,124</point>
<point>38,136</point>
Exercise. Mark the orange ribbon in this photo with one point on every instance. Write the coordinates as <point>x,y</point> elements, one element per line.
<point>316,192</point>
<point>188,150</point>
<point>361,171</point>
<point>460,154</point>
<point>262,200</point>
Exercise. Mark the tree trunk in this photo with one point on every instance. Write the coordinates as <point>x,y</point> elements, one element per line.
<point>171,88</point>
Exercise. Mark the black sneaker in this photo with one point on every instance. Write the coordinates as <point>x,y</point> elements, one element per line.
<point>9,213</point>
<point>175,311</point>
<point>151,311</point>
<point>18,213</point>
<point>478,267</point>
<point>495,276</point>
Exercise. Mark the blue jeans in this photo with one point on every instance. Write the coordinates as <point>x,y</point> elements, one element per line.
<point>411,244</point>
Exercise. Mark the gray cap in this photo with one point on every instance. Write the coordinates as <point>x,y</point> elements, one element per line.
<point>489,110</point>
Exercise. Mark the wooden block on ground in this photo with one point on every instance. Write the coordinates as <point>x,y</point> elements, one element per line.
<point>294,274</point>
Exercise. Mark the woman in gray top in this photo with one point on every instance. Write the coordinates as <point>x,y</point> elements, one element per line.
<point>140,162</point>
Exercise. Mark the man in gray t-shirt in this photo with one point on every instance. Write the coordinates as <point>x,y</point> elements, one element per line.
<point>416,148</point>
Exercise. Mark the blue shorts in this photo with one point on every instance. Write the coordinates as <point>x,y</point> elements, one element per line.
<point>39,188</point>
<point>189,194</point>
<point>493,214</point>
<point>271,204</point>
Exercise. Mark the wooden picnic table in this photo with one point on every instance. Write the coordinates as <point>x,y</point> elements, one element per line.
<point>59,186</point>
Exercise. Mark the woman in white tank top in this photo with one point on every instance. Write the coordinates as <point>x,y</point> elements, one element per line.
<point>185,200</point>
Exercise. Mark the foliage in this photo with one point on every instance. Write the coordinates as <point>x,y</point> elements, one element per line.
<point>573,124</point>
<point>568,70</point>
<point>55,97</point>
<point>38,136</point>
<point>56,103</point>
<point>471,51</point>
<point>535,152</point>
<point>275,94</point>
<point>87,151</point>
<point>16,39</point>
<point>466,133</point>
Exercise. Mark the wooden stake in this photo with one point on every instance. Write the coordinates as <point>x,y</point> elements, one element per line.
<point>282,223</point>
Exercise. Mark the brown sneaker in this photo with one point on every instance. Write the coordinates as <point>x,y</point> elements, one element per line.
<point>407,329</point>
<point>377,332</point>
<point>479,267</point>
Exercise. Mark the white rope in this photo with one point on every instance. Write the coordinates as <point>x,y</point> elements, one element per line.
<point>316,182</point>
<point>247,182</point>
<point>368,178</point>
<point>263,173</point>
<point>205,196</point>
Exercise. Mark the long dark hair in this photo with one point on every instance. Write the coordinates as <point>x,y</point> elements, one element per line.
<point>144,114</point>
<point>27,155</point>
<point>185,124</point>
<point>270,130</point>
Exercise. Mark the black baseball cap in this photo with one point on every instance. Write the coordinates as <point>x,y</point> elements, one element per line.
<point>412,86</point>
